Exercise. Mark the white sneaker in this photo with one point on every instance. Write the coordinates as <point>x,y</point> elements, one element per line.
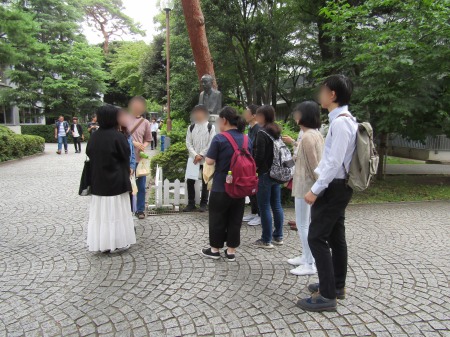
<point>297,261</point>
<point>304,269</point>
<point>255,222</point>
<point>249,217</point>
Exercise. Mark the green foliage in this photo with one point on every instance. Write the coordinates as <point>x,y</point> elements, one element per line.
<point>173,162</point>
<point>13,146</point>
<point>47,132</point>
<point>178,133</point>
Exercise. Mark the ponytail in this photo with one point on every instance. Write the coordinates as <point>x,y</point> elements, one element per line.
<point>233,118</point>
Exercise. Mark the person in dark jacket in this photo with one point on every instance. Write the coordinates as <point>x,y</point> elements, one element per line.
<point>77,134</point>
<point>110,226</point>
<point>269,191</point>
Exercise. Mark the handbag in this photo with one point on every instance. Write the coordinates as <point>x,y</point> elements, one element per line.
<point>143,168</point>
<point>134,188</point>
<point>85,183</point>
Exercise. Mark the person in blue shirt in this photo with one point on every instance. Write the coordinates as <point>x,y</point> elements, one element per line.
<point>225,213</point>
<point>329,197</point>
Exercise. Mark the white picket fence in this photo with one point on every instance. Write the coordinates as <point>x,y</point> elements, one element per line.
<point>172,194</point>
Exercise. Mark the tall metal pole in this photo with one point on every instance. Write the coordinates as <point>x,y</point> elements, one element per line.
<point>169,121</point>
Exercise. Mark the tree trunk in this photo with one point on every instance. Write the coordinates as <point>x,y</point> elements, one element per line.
<point>382,153</point>
<point>195,23</point>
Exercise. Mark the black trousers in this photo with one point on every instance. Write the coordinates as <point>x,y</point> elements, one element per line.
<point>77,143</point>
<point>327,231</point>
<point>225,220</point>
<point>155,139</point>
<point>191,191</point>
<point>254,204</point>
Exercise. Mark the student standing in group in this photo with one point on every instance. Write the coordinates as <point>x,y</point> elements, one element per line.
<point>142,137</point>
<point>329,197</point>
<point>110,227</point>
<point>154,129</point>
<point>93,125</point>
<point>198,139</point>
<point>77,134</point>
<point>225,213</point>
<point>253,219</point>
<point>307,153</point>
<point>62,128</point>
<point>269,190</point>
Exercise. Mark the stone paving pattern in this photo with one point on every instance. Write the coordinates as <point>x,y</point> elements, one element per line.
<point>50,285</point>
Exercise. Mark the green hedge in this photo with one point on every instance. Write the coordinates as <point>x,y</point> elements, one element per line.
<point>172,161</point>
<point>48,132</point>
<point>13,146</point>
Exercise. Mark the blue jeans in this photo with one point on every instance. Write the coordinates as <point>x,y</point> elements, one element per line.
<point>269,197</point>
<point>140,199</point>
<point>61,140</point>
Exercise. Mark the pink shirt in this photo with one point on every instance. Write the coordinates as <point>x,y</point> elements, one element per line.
<point>142,134</point>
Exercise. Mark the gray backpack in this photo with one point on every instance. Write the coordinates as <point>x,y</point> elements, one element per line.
<point>282,169</point>
<point>365,159</point>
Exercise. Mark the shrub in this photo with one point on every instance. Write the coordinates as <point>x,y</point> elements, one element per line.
<point>178,133</point>
<point>13,146</point>
<point>173,162</point>
<point>48,132</point>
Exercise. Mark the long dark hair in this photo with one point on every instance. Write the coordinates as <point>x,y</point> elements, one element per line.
<point>107,116</point>
<point>310,114</point>
<point>233,118</point>
<point>269,117</point>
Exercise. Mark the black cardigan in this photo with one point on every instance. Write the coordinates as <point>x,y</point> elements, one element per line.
<point>109,154</point>
<point>263,151</point>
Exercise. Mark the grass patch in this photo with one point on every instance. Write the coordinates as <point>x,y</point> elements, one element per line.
<point>403,161</point>
<point>405,188</point>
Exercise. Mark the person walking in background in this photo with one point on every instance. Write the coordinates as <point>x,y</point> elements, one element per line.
<point>93,125</point>
<point>62,128</point>
<point>154,126</point>
<point>77,134</point>
<point>225,213</point>
<point>110,226</point>
<point>269,190</point>
<point>142,137</point>
<point>198,140</point>
<point>253,219</point>
<point>307,153</point>
<point>329,197</point>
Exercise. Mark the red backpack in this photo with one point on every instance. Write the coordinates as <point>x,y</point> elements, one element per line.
<point>243,168</point>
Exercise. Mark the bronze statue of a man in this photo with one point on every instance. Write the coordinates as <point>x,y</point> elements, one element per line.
<point>210,97</point>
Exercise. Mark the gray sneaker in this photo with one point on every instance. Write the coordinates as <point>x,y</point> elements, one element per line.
<point>278,242</point>
<point>261,244</point>
<point>317,303</point>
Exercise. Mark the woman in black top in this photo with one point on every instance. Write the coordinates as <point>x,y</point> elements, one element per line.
<point>269,191</point>
<point>110,226</point>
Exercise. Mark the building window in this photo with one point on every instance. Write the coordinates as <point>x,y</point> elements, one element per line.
<point>30,116</point>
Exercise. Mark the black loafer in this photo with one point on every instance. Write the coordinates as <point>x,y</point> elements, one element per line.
<point>206,252</point>
<point>229,257</point>
<point>189,208</point>
<point>314,288</point>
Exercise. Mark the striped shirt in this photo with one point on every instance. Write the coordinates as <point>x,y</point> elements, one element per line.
<point>199,140</point>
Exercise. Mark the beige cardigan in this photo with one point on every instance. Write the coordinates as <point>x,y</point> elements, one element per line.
<point>308,154</point>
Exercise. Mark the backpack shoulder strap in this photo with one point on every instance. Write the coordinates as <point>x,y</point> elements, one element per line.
<point>191,127</point>
<point>245,142</point>
<point>231,140</point>
<point>209,127</point>
<point>136,126</point>
<point>273,139</point>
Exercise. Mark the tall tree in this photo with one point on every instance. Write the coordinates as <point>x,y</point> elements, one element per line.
<point>108,17</point>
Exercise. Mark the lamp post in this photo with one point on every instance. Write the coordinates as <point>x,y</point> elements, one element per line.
<point>167,6</point>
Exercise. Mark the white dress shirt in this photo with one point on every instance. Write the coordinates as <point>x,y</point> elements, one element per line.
<point>154,127</point>
<point>340,144</point>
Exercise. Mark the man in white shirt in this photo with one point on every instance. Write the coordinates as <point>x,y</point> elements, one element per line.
<point>154,129</point>
<point>198,140</point>
<point>329,198</point>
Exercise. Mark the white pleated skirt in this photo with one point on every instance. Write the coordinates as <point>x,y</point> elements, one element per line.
<point>110,223</point>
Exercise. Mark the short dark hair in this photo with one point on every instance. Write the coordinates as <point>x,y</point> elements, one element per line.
<point>310,114</point>
<point>342,86</point>
<point>200,107</point>
<point>140,99</point>
<point>74,118</point>
<point>107,116</point>
<point>253,108</point>
<point>93,116</point>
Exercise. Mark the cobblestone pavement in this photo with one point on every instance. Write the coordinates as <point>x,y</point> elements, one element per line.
<point>50,285</point>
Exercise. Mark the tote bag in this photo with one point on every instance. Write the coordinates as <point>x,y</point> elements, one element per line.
<point>143,168</point>
<point>85,183</point>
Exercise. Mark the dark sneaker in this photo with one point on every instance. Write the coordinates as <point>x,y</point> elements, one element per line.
<point>206,252</point>
<point>261,244</point>
<point>202,208</point>
<point>189,208</point>
<point>66,152</point>
<point>278,241</point>
<point>314,288</point>
<point>229,257</point>
<point>317,303</point>
<point>140,215</point>
<point>58,152</point>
